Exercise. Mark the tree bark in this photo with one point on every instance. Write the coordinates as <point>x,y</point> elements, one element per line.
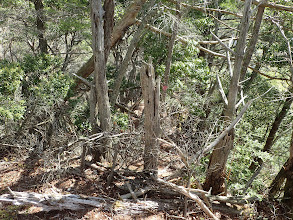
<point>215,177</point>
<point>151,96</point>
<point>109,7</point>
<point>120,28</point>
<point>288,190</point>
<point>40,22</point>
<point>101,86</point>
<point>251,47</point>
<point>278,181</point>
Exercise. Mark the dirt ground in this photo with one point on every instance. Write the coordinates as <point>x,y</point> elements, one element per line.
<point>32,176</point>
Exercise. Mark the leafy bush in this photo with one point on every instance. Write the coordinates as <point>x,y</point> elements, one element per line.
<point>12,105</point>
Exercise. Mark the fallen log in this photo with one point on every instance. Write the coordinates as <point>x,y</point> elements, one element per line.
<point>54,201</point>
<point>58,201</point>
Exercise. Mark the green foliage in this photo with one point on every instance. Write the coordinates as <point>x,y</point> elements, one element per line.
<point>80,115</point>
<point>11,76</point>
<point>45,82</point>
<point>11,104</point>
<point>121,121</point>
<point>155,46</point>
<point>10,212</point>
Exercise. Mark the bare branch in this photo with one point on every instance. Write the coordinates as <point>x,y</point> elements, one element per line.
<point>224,45</point>
<point>194,197</point>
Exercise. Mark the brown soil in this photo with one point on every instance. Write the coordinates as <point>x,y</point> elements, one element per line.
<point>31,176</point>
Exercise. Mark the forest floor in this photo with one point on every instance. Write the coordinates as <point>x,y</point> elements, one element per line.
<point>31,176</point>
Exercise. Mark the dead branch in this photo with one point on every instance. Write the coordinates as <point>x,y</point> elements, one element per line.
<point>223,134</point>
<point>136,193</point>
<point>194,197</point>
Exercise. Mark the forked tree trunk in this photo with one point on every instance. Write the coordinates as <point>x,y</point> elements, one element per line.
<point>100,81</point>
<point>128,19</point>
<point>215,177</point>
<point>151,96</point>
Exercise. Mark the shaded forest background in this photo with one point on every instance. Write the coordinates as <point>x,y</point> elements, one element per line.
<point>218,116</point>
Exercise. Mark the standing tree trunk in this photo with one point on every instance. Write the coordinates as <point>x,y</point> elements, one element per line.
<point>170,53</point>
<point>215,177</point>
<point>100,81</point>
<point>124,65</point>
<point>40,22</point>
<point>288,190</point>
<point>151,96</point>
<point>275,127</point>
<point>285,174</point>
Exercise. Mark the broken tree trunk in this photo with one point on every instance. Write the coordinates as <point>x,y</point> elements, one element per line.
<point>151,96</point>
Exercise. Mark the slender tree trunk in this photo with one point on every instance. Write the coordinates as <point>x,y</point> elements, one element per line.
<point>108,7</point>
<point>251,47</point>
<point>215,177</point>
<point>285,174</point>
<point>275,127</point>
<point>125,62</point>
<point>151,96</point>
<point>170,53</point>
<point>40,22</point>
<point>101,86</point>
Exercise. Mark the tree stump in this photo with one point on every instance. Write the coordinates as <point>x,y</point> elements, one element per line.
<point>151,95</point>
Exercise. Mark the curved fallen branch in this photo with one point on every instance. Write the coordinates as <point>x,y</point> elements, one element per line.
<point>194,197</point>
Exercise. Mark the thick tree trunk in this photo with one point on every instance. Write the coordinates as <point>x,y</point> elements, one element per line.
<point>278,181</point>
<point>215,177</point>
<point>101,86</point>
<point>288,190</point>
<point>151,96</point>
<point>40,22</point>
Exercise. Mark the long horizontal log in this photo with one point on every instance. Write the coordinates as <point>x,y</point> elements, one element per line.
<point>57,201</point>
